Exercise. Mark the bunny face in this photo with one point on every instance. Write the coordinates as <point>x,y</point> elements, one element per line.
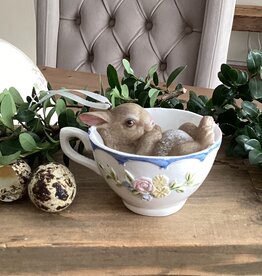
<point>121,127</point>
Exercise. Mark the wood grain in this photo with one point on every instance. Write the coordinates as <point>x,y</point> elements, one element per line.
<point>248,18</point>
<point>217,232</point>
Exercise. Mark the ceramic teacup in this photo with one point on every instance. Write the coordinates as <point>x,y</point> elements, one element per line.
<point>147,185</point>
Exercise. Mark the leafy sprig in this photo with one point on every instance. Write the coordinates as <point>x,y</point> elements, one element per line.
<point>234,106</point>
<point>30,128</point>
<point>144,91</point>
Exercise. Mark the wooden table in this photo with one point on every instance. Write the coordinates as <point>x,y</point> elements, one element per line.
<point>217,232</point>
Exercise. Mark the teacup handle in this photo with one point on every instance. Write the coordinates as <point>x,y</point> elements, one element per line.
<point>66,133</point>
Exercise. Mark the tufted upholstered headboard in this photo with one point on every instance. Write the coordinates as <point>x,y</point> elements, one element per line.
<point>87,35</point>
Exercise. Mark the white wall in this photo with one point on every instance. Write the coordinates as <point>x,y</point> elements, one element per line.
<point>17,25</point>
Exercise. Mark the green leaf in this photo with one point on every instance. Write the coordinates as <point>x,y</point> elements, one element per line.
<point>25,116</point>
<point>227,129</point>
<point>226,71</point>
<point>227,116</point>
<point>152,71</point>
<point>252,144</point>
<point>50,115</point>
<point>231,76</point>
<point>125,91</point>
<point>36,126</point>
<point>10,146</point>
<point>42,94</point>
<point>227,121</point>
<point>250,109</point>
<point>222,95</point>
<point>8,110</point>
<point>242,139</point>
<point>255,157</point>
<point>127,67</point>
<point>113,101</point>
<point>175,103</point>
<point>242,77</point>
<point>16,96</point>
<point>223,79</point>
<point>8,159</point>
<point>174,75</point>
<point>251,132</point>
<point>60,106</point>
<point>51,138</point>
<point>237,150</point>
<point>27,142</point>
<point>147,84</point>
<point>153,94</point>
<point>115,92</point>
<point>143,98</point>
<point>194,103</point>
<point>67,118</point>
<point>113,77</point>
<point>254,61</point>
<point>255,87</point>
<point>155,78</point>
<point>2,94</point>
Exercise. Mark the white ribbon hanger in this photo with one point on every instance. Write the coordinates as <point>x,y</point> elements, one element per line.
<point>103,102</point>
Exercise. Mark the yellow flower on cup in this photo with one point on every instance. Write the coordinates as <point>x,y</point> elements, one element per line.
<point>161,184</point>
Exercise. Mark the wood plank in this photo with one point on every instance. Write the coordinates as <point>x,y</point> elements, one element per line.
<point>248,18</point>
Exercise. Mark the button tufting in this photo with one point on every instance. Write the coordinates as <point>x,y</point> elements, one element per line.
<point>111,22</point>
<point>163,66</point>
<point>149,25</point>
<point>78,20</point>
<point>126,56</point>
<point>188,30</point>
<point>90,57</point>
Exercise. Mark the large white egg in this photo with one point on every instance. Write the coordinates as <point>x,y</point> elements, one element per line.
<point>19,71</point>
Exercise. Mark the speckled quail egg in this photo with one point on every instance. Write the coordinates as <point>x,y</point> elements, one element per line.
<point>13,180</point>
<point>52,187</point>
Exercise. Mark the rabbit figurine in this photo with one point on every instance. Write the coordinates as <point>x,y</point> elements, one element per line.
<point>130,128</point>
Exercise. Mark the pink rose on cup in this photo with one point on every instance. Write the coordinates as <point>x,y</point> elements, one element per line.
<point>143,185</point>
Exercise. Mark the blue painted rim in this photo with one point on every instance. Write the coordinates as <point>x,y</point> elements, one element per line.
<point>162,162</point>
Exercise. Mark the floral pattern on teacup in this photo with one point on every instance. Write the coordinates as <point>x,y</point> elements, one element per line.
<point>147,188</point>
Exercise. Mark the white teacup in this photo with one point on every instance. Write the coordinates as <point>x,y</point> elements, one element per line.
<point>147,185</point>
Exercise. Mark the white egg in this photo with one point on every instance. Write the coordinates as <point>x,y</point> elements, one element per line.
<point>13,180</point>
<point>19,71</point>
<point>52,187</point>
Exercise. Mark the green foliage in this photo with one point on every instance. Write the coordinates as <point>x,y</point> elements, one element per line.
<point>234,107</point>
<point>144,92</point>
<point>26,130</point>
